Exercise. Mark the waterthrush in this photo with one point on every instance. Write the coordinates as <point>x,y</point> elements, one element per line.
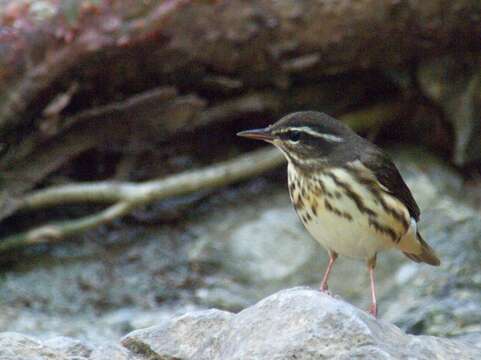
<point>346,191</point>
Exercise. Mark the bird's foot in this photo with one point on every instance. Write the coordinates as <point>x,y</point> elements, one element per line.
<point>373,310</point>
<point>325,290</point>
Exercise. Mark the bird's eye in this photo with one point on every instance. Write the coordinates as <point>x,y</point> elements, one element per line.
<point>294,136</point>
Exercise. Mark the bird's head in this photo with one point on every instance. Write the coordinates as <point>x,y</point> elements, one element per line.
<point>306,138</point>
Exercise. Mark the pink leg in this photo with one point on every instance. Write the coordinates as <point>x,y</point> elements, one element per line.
<point>332,259</point>
<point>373,309</point>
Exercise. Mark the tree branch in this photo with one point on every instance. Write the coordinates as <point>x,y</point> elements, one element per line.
<point>57,231</point>
<point>127,196</point>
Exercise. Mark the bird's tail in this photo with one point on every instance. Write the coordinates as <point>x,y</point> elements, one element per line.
<point>427,254</point>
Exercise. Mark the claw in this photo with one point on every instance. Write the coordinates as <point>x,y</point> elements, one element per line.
<point>327,292</point>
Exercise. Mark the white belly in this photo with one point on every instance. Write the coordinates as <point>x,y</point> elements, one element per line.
<point>349,238</point>
<point>338,222</point>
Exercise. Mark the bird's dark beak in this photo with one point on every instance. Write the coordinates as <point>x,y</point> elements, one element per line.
<point>257,134</point>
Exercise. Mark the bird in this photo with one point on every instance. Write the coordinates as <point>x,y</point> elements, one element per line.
<point>346,191</point>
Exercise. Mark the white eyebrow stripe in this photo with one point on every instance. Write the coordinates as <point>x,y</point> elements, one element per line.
<point>328,137</point>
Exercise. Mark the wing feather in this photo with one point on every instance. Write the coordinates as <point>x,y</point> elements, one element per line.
<point>388,175</point>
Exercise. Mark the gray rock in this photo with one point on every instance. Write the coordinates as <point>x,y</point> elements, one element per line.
<point>298,323</point>
<point>111,352</point>
<point>69,346</point>
<point>180,338</point>
<point>15,346</point>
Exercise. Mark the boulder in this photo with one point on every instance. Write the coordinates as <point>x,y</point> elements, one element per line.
<point>298,323</point>
<point>15,346</point>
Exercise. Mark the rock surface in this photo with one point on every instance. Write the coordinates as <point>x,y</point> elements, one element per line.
<point>14,346</point>
<point>298,323</point>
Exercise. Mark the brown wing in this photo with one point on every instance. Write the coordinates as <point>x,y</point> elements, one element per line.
<point>388,175</point>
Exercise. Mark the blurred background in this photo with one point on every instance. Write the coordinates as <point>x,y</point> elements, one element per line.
<point>103,101</point>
